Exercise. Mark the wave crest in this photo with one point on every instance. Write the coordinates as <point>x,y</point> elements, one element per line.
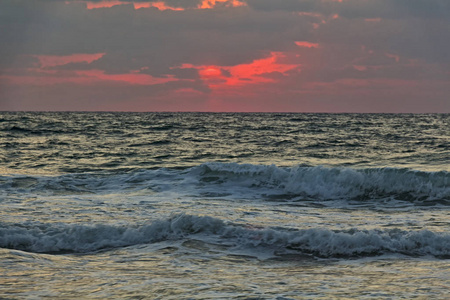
<point>248,181</point>
<point>322,242</point>
<point>334,183</point>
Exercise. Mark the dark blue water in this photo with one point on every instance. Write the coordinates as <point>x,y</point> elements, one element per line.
<point>79,142</point>
<point>224,205</point>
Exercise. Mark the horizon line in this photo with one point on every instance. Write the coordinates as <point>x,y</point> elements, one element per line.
<point>215,112</point>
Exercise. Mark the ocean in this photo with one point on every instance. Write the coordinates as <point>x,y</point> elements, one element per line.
<point>224,206</point>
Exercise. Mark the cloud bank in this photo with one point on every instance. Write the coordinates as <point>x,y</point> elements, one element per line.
<point>225,55</point>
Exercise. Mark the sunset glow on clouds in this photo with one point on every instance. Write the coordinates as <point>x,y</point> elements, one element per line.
<point>161,5</point>
<point>233,55</point>
<point>256,72</point>
<point>205,4</point>
<point>307,44</point>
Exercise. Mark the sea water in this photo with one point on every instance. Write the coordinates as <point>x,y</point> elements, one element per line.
<point>224,206</point>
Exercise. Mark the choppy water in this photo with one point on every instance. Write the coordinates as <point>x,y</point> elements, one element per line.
<point>203,206</point>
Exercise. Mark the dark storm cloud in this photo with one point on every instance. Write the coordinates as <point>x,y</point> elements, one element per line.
<point>361,8</point>
<point>159,40</point>
<point>187,73</point>
<point>289,5</point>
<point>425,39</point>
<point>183,3</point>
<point>395,9</point>
<point>133,39</point>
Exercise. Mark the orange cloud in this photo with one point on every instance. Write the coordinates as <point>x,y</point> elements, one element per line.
<point>161,5</point>
<point>59,60</point>
<point>104,3</point>
<point>307,44</point>
<point>206,4</point>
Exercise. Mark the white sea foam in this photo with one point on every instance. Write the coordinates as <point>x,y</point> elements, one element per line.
<point>335,183</point>
<point>318,241</point>
<point>251,181</point>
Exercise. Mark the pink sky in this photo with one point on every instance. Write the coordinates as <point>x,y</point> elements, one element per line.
<point>225,55</point>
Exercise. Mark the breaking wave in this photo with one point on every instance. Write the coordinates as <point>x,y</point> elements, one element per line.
<point>250,181</point>
<point>321,242</point>
<point>333,183</point>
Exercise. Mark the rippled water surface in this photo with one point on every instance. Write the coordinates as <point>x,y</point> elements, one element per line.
<point>204,206</point>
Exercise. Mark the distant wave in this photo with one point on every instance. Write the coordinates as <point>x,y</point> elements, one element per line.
<point>321,242</point>
<point>248,181</point>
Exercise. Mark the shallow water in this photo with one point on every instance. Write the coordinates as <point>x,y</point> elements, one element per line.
<point>203,206</point>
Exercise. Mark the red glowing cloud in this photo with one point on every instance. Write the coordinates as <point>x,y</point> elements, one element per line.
<point>262,66</point>
<point>210,72</point>
<point>161,5</point>
<point>258,71</point>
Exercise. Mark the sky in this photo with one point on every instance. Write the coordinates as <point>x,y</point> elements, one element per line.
<point>225,55</point>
